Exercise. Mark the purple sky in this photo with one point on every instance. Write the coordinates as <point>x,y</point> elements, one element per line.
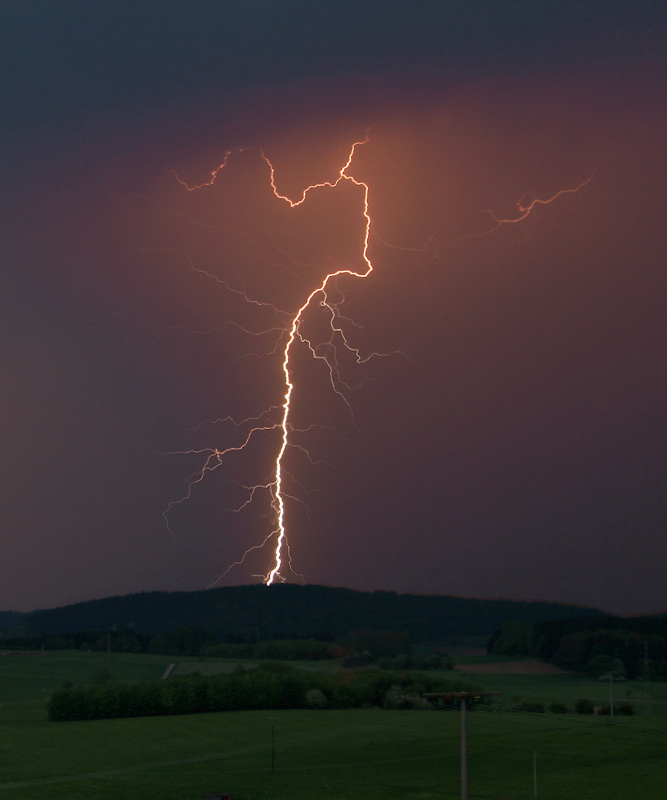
<point>517,445</point>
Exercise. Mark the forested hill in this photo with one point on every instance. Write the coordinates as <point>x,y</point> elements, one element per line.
<point>291,610</point>
<point>11,620</point>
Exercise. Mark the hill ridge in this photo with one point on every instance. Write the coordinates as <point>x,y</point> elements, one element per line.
<point>293,610</point>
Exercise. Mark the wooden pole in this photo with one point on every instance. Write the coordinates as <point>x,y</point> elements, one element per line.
<point>273,721</point>
<point>462,696</point>
<point>647,675</point>
<point>464,752</point>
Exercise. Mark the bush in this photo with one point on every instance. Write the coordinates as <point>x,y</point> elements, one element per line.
<point>315,698</point>
<point>535,708</point>
<point>625,709</point>
<point>558,708</point>
<point>584,706</point>
<point>398,698</point>
<point>601,666</point>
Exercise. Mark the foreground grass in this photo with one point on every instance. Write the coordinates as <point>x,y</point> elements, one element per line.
<point>342,755</point>
<point>363,754</point>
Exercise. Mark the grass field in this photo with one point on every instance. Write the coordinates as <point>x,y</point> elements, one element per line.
<point>569,687</point>
<point>365,754</point>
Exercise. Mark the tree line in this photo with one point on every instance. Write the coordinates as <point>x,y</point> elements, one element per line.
<point>268,686</point>
<point>625,647</point>
<point>386,649</point>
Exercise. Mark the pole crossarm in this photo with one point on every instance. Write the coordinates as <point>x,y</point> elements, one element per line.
<point>460,695</point>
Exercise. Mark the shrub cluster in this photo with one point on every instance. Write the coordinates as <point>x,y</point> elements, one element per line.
<point>533,707</point>
<point>625,710</point>
<point>268,686</point>
<point>584,706</point>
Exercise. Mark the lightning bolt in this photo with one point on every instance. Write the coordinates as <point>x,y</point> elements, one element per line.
<point>294,332</point>
<point>213,457</point>
<point>291,329</point>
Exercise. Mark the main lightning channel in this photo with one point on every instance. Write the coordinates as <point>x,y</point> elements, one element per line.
<point>279,499</point>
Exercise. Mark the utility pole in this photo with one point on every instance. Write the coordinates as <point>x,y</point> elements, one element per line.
<point>647,675</point>
<point>273,743</point>
<point>464,752</point>
<point>108,656</point>
<point>462,697</point>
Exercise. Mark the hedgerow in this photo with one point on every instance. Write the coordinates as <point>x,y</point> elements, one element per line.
<point>268,686</point>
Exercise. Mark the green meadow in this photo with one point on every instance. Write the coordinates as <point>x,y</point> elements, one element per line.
<point>364,754</point>
<point>565,688</point>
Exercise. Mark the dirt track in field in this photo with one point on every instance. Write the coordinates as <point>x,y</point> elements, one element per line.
<point>527,667</point>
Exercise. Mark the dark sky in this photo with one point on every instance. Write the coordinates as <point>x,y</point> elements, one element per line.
<point>515,447</point>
